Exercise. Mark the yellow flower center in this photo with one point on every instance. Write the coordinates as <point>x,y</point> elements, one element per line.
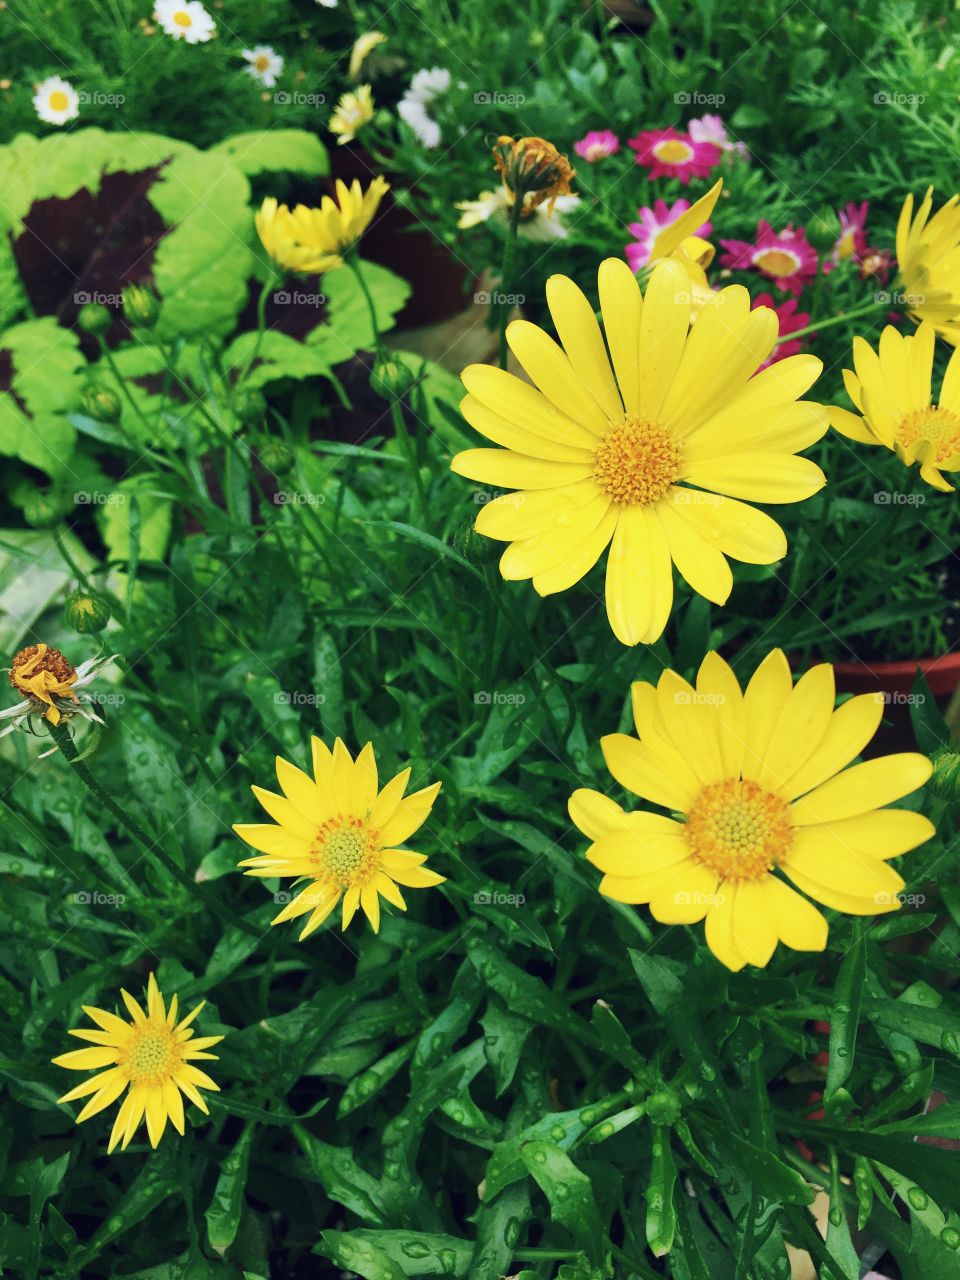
<point>738,829</point>
<point>58,100</point>
<point>153,1055</point>
<point>636,462</point>
<point>673,151</point>
<point>346,850</point>
<point>261,61</point>
<point>182,18</point>
<point>845,245</point>
<point>777,262</point>
<point>941,427</point>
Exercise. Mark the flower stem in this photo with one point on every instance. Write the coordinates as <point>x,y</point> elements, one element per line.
<point>506,273</point>
<point>150,846</point>
<point>833,320</point>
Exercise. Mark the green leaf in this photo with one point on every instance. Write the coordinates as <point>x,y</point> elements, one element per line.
<point>276,151</point>
<point>416,1253</point>
<point>845,1018</point>
<point>777,1179</point>
<point>136,519</point>
<point>839,1243</point>
<point>570,1192</point>
<point>348,326</point>
<point>661,1222</point>
<point>223,1213</point>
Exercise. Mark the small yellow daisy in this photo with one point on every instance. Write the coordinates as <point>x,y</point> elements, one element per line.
<point>311,240</point>
<point>352,112</point>
<point>928,255</point>
<point>760,793</point>
<point>151,1056</point>
<point>339,831</point>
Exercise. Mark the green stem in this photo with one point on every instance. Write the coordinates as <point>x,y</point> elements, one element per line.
<point>150,847</point>
<point>261,329</point>
<point>506,273</point>
<point>818,325</point>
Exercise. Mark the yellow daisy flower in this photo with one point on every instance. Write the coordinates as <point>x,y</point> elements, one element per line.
<point>928,254</point>
<point>363,46</point>
<point>760,783</point>
<point>891,390</point>
<point>651,456</point>
<point>341,833</point>
<point>352,112</point>
<point>316,239</point>
<point>151,1056</point>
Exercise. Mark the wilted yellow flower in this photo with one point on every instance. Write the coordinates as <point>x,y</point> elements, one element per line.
<point>315,239</point>
<point>363,46</point>
<point>353,111</point>
<point>928,255</point>
<point>891,389</point>
<point>533,171</point>
<point>50,683</point>
<point>151,1056</point>
<point>760,782</point>
<point>340,831</point>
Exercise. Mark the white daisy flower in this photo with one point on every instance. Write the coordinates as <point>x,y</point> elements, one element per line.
<point>415,115</point>
<point>539,225</point>
<point>185,20</point>
<point>265,64</point>
<point>55,101</point>
<point>428,84</point>
<point>329,4</point>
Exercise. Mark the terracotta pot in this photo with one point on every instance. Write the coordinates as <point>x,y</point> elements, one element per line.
<point>442,285</point>
<point>941,674</point>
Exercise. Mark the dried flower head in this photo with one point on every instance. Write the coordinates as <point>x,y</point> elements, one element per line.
<point>533,171</point>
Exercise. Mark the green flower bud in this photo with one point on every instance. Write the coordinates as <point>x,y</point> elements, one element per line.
<point>823,229</point>
<point>43,508</point>
<point>250,405</point>
<point>663,1107</point>
<point>391,378</point>
<point>277,457</point>
<point>140,306</point>
<point>474,546</point>
<point>86,611</point>
<point>94,318</point>
<point>945,781</point>
<point>101,404</point>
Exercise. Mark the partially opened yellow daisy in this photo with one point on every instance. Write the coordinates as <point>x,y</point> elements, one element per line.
<point>891,389</point>
<point>928,255</point>
<point>351,113</point>
<point>152,1056</point>
<point>761,795</point>
<point>340,832</point>
<point>652,455</point>
<point>316,239</point>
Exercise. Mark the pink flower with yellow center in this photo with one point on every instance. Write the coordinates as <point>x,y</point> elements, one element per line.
<point>786,257</point>
<point>597,145</point>
<point>651,222</point>
<point>852,242</point>
<point>667,153</point>
<point>789,320</point>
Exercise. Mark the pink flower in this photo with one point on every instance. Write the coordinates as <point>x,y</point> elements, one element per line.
<point>597,145</point>
<point>652,221</point>
<point>853,233</point>
<point>712,129</point>
<point>667,153</point>
<point>789,319</point>
<point>785,257</point>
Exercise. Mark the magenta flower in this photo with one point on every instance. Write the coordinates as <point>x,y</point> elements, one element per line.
<point>712,129</point>
<point>853,233</point>
<point>789,319</point>
<point>786,257</point>
<point>597,145</point>
<point>651,222</point>
<point>667,153</point>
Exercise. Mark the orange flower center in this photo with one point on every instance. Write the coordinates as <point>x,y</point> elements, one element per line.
<point>636,462</point>
<point>941,427</point>
<point>58,100</point>
<point>738,829</point>
<point>153,1055</point>
<point>346,850</point>
<point>673,151</point>
<point>777,262</point>
<point>40,670</point>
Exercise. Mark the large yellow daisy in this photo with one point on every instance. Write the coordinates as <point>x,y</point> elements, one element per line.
<point>651,455</point>
<point>891,389</point>
<point>928,255</point>
<point>760,784</point>
<point>341,833</point>
<point>152,1057</point>
<point>307,239</point>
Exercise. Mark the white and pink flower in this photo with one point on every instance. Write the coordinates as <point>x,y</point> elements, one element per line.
<point>651,221</point>
<point>711,128</point>
<point>786,257</point>
<point>667,153</point>
<point>597,145</point>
